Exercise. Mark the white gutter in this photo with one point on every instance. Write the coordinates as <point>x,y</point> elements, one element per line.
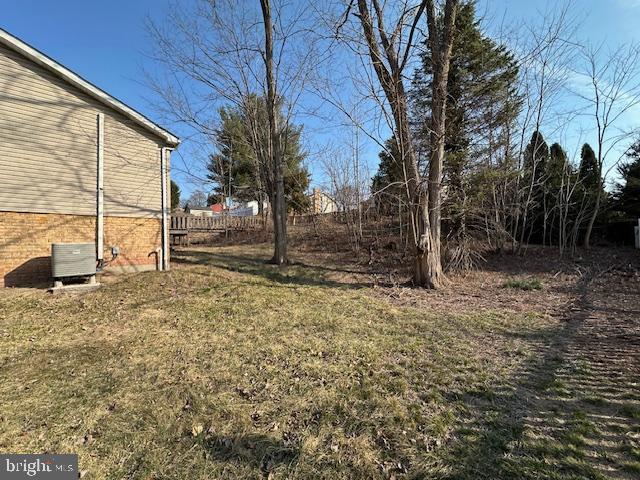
<point>100,191</point>
<point>164,170</point>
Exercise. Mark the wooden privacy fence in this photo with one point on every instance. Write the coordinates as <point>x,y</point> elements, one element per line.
<point>183,225</point>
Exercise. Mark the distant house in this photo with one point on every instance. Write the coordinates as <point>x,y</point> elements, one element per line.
<point>321,202</point>
<point>199,211</point>
<point>209,211</point>
<point>76,165</point>
<point>217,208</point>
<point>248,209</point>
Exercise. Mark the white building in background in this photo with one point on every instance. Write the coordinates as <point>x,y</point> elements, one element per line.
<point>199,212</point>
<point>254,205</point>
<point>247,209</point>
<point>322,203</point>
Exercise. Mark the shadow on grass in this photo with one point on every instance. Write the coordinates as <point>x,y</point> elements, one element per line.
<point>294,274</point>
<point>560,418</point>
<point>494,419</point>
<point>255,451</point>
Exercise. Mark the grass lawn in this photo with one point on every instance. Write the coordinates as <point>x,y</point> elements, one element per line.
<point>229,368</point>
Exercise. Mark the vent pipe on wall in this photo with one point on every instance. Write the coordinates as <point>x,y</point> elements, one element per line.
<point>100,193</point>
<point>164,168</point>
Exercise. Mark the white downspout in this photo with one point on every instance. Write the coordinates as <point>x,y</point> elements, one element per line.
<point>164,253</point>
<point>100,192</point>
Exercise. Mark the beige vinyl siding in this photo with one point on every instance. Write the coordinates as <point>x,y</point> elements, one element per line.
<point>48,153</point>
<point>131,171</point>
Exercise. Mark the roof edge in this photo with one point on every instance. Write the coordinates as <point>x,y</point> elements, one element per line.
<point>87,87</point>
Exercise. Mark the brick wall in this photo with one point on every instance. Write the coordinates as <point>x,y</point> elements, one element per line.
<point>26,238</point>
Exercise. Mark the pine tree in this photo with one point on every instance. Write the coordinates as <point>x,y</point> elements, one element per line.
<point>588,171</point>
<point>387,184</point>
<point>482,106</point>
<point>236,172</point>
<point>233,169</point>
<point>175,195</point>
<point>482,89</point>
<point>627,193</point>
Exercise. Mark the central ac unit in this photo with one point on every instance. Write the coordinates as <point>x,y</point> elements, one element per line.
<point>73,259</point>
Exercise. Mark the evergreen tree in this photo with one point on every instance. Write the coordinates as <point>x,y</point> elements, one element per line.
<point>215,198</point>
<point>387,184</point>
<point>557,163</point>
<point>588,171</point>
<point>559,182</point>
<point>233,169</point>
<point>558,170</point>
<point>236,172</point>
<point>591,184</point>
<point>482,108</point>
<point>536,156</point>
<point>595,199</point>
<point>627,193</point>
<point>175,195</point>
<point>481,90</point>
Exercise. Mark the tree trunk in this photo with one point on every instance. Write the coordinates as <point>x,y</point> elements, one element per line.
<point>440,43</point>
<point>428,263</point>
<point>278,203</point>
<point>592,220</point>
<point>280,222</point>
<point>427,271</point>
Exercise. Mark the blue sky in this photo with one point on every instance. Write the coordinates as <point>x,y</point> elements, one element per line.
<point>106,41</point>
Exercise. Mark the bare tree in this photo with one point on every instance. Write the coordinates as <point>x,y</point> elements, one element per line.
<point>197,199</point>
<point>388,33</point>
<point>548,51</point>
<point>614,79</point>
<point>254,58</point>
<point>440,41</point>
<point>279,208</point>
<point>347,189</point>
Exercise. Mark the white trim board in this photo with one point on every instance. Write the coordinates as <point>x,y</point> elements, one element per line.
<point>77,81</point>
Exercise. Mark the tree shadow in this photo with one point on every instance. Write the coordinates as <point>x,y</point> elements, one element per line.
<point>293,274</point>
<point>255,451</point>
<point>542,422</point>
<point>495,418</point>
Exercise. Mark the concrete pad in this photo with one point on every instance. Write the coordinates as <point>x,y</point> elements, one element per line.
<point>75,288</point>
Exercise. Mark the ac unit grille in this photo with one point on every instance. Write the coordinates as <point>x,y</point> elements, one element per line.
<point>73,259</point>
